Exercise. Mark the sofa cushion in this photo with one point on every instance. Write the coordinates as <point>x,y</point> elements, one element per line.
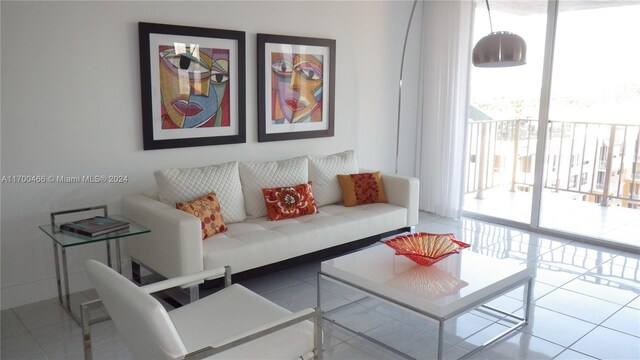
<point>207,208</point>
<point>256,176</point>
<point>258,241</point>
<point>358,189</point>
<point>289,201</point>
<point>323,171</point>
<point>181,185</point>
<point>235,310</point>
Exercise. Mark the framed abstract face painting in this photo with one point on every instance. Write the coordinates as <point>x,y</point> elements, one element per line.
<point>193,86</point>
<point>296,82</point>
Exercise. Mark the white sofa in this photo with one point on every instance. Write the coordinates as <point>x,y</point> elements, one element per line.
<point>174,247</point>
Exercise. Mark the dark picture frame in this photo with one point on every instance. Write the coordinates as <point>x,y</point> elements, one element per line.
<point>192,85</point>
<point>296,87</point>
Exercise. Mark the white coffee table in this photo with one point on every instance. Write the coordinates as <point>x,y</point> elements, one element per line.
<point>449,288</point>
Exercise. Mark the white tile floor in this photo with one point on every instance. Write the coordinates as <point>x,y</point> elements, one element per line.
<point>586,305</point>
<point>558,212</point>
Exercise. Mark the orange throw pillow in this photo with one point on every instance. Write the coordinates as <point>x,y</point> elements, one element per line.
<point>358,189</point>
<point>289,202</point>
<point>207,208</point>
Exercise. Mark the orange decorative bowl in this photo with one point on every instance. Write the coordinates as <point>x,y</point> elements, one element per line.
<point>424,248</point>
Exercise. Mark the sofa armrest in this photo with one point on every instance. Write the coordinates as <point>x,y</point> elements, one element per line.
<point>403,191</point>
<point>174,246</point>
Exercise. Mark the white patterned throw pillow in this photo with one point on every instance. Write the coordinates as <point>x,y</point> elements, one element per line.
<point>182,185</point>
<point>256,176</point>
<point>324,171</point>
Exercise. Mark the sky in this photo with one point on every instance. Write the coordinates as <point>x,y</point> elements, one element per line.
<point>596,69</point>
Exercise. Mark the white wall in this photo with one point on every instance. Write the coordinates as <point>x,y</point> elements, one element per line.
<point>71,106</point>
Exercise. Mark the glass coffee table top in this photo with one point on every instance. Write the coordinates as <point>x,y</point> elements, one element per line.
<point>66,239</point>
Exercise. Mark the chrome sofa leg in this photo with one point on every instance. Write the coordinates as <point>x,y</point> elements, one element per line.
<point>194,293</point>
<point>227,276</point>
<point>135,272</point>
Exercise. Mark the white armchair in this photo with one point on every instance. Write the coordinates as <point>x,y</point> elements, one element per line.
<point>233,323</point>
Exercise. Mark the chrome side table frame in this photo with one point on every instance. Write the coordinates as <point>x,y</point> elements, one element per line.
<point>64,297</point>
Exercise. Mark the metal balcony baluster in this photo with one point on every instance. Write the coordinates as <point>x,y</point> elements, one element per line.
<point>607,174</point>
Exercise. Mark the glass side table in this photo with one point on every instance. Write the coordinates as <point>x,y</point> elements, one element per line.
<point>66,239</point>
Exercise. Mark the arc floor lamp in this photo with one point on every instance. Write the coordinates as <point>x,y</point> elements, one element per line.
<point>498,49</point>
<point>404,49</point>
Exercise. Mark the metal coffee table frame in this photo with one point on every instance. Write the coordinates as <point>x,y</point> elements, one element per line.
<point>521,321</point>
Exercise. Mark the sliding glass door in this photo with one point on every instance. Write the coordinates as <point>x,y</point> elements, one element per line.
<point>592,175</point>
<point>503,117</point>
<point>554,144</point>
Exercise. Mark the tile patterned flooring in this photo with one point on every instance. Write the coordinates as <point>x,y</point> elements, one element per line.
<point>559,212</point>
<point>586,305</point>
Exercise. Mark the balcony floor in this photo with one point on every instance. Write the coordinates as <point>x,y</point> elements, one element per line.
<point>612,223</point>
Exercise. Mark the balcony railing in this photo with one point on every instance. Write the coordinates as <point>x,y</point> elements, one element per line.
<point>598,161</point>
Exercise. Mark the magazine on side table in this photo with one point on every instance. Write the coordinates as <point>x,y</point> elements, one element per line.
<point>95,226</point>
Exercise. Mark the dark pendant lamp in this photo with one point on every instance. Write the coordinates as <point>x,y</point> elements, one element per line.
<point>499,49</point>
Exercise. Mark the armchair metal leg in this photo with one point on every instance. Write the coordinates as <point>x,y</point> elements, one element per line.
<point>85,322</point>
<point>86,331</point>
<point>317,333</point>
